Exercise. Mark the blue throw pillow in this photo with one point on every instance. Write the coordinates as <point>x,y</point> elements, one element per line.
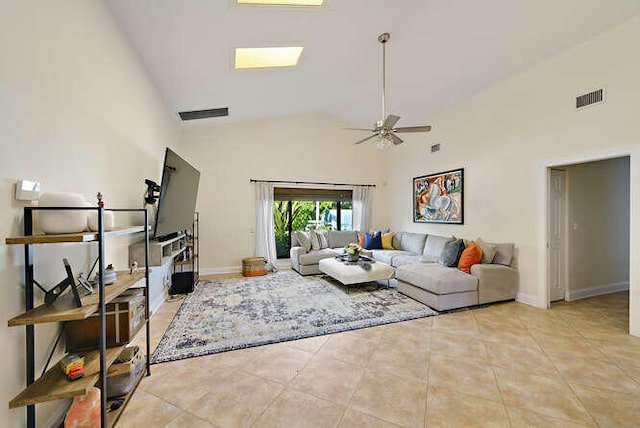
<point>373,242</point>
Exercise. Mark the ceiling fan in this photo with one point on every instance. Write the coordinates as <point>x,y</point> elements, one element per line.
<point>385,128</point>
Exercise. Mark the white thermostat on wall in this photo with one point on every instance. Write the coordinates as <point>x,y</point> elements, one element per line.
<point>27,190</point>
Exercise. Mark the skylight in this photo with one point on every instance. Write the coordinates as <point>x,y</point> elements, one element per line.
<point>268,57</point>
<point>284,2</point>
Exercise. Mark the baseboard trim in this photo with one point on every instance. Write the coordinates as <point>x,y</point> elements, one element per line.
<point>282,264</point>
<point>527,299</point>
<point>220,270</point>
<point>598,290</point>
<point>155,305</point>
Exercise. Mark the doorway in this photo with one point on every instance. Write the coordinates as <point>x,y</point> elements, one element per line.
<point>588,229</point>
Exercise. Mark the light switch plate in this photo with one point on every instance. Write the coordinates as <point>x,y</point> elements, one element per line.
<point>27,190</point>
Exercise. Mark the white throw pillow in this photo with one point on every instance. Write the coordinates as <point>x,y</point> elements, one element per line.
<point>304,240</point>
<point>319,240</point>
<point>315,242</point>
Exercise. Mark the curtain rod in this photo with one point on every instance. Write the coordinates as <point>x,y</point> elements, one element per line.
<point>253,180</point>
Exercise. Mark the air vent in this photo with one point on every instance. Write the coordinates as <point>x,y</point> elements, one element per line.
<point>589,99</point>
<point>435,148</point>
<point>203,114</point>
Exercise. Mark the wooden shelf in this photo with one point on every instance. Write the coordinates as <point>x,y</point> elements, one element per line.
<point>54,385</point>
<point>169,241</point>
<point>71,237</point>
<point>64,308</point>
<point>112,417</point>
<point>173,255</point>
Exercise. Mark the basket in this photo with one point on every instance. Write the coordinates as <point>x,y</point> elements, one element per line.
<point>254,266</point>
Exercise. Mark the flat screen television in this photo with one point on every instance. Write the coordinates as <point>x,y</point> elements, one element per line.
<point>178,195</point>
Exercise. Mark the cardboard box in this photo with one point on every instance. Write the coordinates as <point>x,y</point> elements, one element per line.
<point>128,309</point>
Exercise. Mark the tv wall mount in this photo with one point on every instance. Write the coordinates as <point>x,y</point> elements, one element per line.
<point>153,192</point>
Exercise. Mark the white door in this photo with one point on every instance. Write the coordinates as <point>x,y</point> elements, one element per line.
<point>557,235</point>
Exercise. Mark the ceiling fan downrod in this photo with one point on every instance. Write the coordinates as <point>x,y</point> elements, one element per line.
<point>383,39</point>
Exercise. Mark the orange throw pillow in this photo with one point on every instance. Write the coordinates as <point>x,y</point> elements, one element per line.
<point>361,239</point>
<point>470,256</point>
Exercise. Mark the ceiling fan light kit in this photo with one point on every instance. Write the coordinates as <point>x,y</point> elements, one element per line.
<point>384,129</point>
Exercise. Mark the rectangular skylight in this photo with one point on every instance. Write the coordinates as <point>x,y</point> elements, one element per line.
<point>284,2</point>
<point>268,57</point>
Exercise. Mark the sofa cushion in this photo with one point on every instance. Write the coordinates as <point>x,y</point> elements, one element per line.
<point>405,259</point>
<point>301,239</point>
<point>396,241</point>
<point>384,256</point>
<point>436,278</point>
<point>313,257</point>
<point>341,238</point>
<point>504,252</point>
<point>451,253</point>
<point>488,250</point>
<point>390,256</point>
<point>318,239</point>
<point>373,242</point>
<point>413,242</point>
<point>470,256</point>
<point>434,246</point>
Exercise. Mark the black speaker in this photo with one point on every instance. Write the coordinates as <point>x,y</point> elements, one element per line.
<point>181,283</point>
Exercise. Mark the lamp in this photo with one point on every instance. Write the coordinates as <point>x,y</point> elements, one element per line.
<point>383,142</point>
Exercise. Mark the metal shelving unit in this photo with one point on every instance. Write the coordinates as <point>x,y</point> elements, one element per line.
<point>52,384</point>
<point>192,249</point>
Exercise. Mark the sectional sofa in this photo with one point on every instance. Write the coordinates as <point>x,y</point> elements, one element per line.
<point>418,271</point>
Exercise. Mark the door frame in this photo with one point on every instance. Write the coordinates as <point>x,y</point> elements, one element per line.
<point>564,242</point>
<point>543,296</point>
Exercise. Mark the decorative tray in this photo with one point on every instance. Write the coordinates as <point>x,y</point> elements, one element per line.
<point>347,258</point>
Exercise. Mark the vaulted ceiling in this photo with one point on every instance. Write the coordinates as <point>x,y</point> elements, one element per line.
<point>440,53</point>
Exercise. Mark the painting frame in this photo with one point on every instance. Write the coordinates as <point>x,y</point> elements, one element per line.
<point>439,197</point>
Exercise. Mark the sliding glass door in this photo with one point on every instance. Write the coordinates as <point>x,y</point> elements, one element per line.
<point>305,209</point>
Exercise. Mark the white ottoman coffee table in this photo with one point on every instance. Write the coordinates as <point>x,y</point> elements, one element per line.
<point>356,273</point>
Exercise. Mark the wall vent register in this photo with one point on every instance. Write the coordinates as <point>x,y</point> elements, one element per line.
<point>589,99</point>
<point>204,114</point>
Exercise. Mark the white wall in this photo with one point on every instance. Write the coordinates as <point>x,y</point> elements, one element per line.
<point>598,232</point>
<point>78,113</point>
<point>305,147</point>
<point>506,136</point>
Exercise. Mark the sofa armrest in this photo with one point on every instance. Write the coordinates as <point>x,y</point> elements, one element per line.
<point>495,282</point>
<point>294,255</point>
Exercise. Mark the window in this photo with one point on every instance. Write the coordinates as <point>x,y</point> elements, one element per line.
<point>305,209</point>
<point>268,57</point>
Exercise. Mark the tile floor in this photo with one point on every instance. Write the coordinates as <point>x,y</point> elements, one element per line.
<point>506,365</point>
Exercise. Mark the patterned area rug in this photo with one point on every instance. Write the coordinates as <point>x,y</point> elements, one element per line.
<point>237,313</point>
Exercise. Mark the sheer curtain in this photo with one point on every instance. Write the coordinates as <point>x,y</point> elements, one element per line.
<point>362,208</point>
<point>265,235</point>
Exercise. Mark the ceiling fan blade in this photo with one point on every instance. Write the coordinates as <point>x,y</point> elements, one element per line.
<point>358,129</point>
<point>390,121</point>
<point>395,139</point>
<point>426,128</point>
<point>365,139</point>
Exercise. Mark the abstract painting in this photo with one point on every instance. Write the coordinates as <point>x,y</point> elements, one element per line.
<point>437,198</point>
